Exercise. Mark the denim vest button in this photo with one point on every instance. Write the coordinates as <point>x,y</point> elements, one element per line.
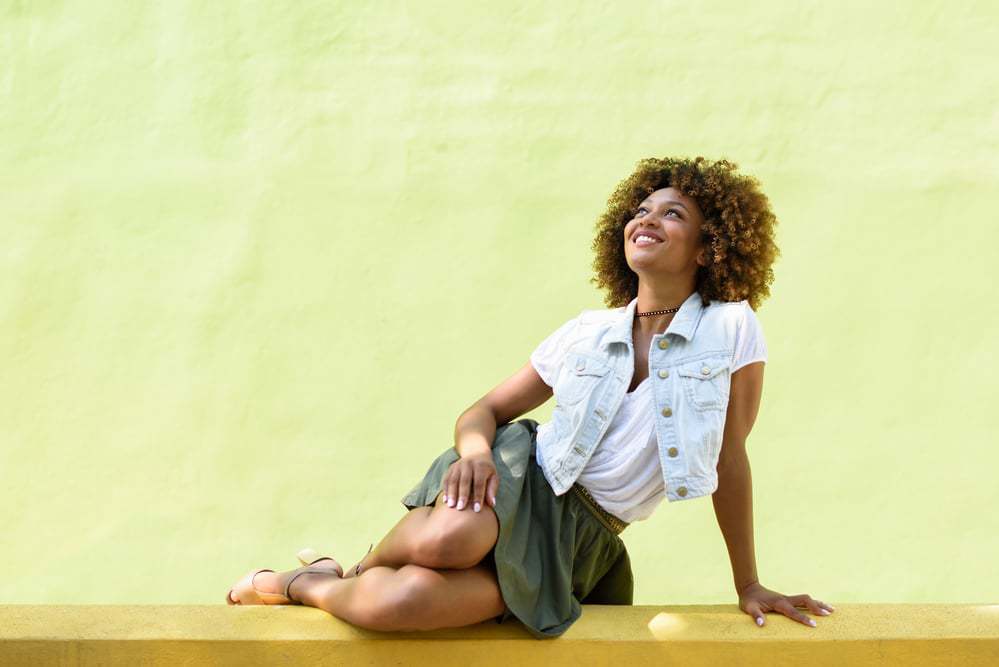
<point>705,370</point>
<point>672,451</point>
<point>663,343</point>
<point>664,373</point>
<point>667,412</point>
<point>682,491</point>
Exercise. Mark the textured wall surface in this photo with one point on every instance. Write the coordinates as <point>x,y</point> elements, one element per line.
<point>257,257</point>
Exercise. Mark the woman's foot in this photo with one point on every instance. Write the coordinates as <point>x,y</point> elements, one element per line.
<point>270,586</point>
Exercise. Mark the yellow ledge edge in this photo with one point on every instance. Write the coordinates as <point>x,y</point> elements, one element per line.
<point>910,634</point>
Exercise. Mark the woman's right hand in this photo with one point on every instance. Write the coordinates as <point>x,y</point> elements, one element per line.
<point>471,478</point>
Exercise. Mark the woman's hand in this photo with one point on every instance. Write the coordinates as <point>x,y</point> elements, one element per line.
<point>755,600</point>
<point>474,475</point>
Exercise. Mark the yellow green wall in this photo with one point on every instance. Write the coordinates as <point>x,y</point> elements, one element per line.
<point>257,257</point>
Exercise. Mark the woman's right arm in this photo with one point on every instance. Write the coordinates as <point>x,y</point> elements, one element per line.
<point>475,431</point>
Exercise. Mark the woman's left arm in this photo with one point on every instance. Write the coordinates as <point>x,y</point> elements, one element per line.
<point>733,502</point>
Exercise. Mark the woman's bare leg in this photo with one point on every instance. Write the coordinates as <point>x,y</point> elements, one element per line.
<point>437,537</point>
<point>461,590</point>
<point>410,598</point>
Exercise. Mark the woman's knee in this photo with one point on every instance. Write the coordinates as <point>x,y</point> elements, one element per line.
<point>457,539</point>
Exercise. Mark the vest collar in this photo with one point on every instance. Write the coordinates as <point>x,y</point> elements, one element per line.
<point>684,321</point>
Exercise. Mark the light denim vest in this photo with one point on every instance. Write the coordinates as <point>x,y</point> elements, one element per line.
<point>689,368</point>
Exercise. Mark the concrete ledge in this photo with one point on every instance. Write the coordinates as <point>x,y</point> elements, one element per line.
<point>885,634</point>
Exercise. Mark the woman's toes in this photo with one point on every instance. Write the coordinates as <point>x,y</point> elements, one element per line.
<point>266,582</point>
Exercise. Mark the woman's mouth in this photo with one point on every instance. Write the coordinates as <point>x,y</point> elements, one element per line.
<point>642,240</point>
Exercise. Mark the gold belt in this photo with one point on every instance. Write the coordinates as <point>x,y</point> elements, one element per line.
<point>611,522</point>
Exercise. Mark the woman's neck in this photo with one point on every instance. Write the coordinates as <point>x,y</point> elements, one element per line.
<point>652,297</point>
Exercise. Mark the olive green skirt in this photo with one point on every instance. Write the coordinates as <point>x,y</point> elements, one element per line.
<point>553,553</point>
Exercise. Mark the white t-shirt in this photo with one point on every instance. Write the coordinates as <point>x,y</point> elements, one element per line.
<point>624,474</point>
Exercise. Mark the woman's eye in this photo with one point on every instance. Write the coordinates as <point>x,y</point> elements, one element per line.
<point>646,210</point>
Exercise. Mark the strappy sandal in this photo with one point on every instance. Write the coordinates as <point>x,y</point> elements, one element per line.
<point>357,568</point>
<point>245,589</point>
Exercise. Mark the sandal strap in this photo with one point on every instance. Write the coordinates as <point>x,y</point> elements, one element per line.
<point>307,570</point>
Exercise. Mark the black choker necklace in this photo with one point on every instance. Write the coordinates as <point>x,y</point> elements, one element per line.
<point>657,312</point>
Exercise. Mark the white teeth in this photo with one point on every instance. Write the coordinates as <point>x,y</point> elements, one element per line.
<point>644,236</point>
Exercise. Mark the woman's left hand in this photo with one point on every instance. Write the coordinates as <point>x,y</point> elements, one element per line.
<point>756,600</point>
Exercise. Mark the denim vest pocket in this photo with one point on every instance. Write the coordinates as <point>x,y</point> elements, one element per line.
<point>706,382</point>
<point>580,374</point>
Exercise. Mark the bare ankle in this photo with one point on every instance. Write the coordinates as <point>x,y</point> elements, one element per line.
<point>308,588</point>
<point>367,561</point>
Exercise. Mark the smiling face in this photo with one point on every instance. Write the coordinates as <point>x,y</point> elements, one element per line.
<point>674,220</point>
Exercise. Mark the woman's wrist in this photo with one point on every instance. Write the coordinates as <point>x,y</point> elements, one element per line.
<point>472,449</point>
<point>474,432</point>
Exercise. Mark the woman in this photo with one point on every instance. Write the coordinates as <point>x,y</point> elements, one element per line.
<point>655,397</point>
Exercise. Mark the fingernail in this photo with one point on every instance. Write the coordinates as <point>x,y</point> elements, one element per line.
<point>461,503</point>
<point>477,507</point>
<point>759,621</point>
<point>450,502</point>
<point>811,622</point>
<point>831,607</point>
<point>824,612</point>
<point>494,501</point>
<point>445,499</point>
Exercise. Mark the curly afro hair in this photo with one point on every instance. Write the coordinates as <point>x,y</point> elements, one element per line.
<point>738,230</point>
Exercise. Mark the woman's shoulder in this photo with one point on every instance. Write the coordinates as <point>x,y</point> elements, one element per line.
<point>728,319</point>
<point>729,310</point>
